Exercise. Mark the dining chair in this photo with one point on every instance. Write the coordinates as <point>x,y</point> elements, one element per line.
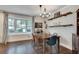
<point>53,44</point>
<point>33,40</point>
<point>37,42</point>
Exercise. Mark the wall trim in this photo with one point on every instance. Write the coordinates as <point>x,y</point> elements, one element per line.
<point>19,41</point>
<point>61,44</point>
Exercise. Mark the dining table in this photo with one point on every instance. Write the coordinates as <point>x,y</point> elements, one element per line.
<point>43,37</point>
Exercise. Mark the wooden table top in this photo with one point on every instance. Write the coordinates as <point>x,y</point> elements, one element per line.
<point>43,35</point>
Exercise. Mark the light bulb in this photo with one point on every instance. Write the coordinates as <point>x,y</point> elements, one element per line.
<point>44,13</point>
<point>40,14</point>
<point>49,13</point>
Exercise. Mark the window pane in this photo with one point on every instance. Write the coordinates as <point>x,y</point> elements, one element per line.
<point>29,26</point>
<point>11,25</point>
<point>29,22</point>
<point>20,26</point>
<point>29,29</point>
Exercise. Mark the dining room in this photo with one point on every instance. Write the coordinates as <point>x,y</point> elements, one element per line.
<point>39,29</point>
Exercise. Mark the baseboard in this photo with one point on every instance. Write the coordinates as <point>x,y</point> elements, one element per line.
<point>65,50</point>
<point>19,41</point>
<point>70,48</point>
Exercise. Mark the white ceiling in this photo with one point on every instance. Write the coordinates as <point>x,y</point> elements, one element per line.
<point>32,10</point>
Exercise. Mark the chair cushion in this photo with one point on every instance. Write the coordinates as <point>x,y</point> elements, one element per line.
<point>52,40</point>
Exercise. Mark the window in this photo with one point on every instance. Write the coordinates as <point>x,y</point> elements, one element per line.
<point>19,26</point>
<point>11,25</point>
<point>29,26</point>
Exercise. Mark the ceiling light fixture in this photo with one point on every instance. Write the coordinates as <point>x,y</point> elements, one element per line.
<point>44,13</point>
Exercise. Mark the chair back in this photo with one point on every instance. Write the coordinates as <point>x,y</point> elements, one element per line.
<point>52,40</point>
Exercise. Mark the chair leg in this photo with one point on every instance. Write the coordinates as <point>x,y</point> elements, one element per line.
<point>54,49</point>
<point>50,49</point>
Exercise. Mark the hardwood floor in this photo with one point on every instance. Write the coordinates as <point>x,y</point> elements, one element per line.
<point>25,47</point>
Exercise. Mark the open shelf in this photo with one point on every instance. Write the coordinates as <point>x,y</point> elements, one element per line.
<point>68,13</point>
<point>62,25</point>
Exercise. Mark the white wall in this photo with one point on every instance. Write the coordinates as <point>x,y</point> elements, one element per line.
<point>65,32</point>
<point>1,26</point>
<point>13,38</point>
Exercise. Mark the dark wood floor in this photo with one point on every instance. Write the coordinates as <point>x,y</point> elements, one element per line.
<point>25,47</point>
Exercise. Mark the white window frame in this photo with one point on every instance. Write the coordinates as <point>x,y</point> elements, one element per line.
<point>18,33</point>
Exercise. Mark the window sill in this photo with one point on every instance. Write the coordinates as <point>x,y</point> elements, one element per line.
<point>19,34</point>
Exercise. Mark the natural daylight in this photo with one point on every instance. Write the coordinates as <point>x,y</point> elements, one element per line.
<point>39,29</point>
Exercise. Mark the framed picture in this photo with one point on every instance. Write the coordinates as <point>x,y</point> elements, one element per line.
<point>57,14</point>
<point>38,25</point>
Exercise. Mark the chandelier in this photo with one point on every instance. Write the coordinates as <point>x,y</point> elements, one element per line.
<point>44,12</point>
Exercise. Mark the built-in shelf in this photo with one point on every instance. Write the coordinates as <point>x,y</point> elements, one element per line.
<point>68,13</point>
<point>61,25</point>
